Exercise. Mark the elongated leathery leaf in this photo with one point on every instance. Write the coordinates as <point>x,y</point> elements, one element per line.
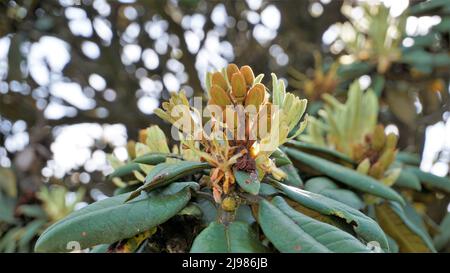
<point>153,158</point>
<point>431,180</point>
<point>408,158</point>
<point>320,151</point>
<point>416,218</point>
<point>236,237</point>
<point>267,190</point>
<point>346,176</point>
<point>443,237</point>
<point>177,187</point>
<point>426,6</point>
<point>31,230</point>
<point>409,236</point>
<point>393,246</point>
<point>171,189</point>
<point>365,227</point>
<point>166,173</point>
<point>333,238</point>
<point>284,233</point>
<point>103,248</point>
<point>125,170</point>
<point>244,214</point>
<point>111,220</point>
<point>328,188</point>
<point>280,158</point>
<point>209,210</point>
<point>127,188</point>
<point>407,179</point>
<point>247,181</point>
<point>320,183</point>
<point>292,178</point>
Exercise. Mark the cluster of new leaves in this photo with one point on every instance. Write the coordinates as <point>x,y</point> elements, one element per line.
<point>352,129</point>
<point>340,208</point>
<point>405,67</point>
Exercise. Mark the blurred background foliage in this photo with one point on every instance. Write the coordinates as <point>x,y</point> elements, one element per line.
<point>80,77</point>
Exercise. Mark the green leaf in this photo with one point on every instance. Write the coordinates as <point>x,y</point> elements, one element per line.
<point>320,151</point>
<point>354,70</point>
<point>444,25</point>
<point>328,188</point>
<point>103,248</point>
<point>293,178</point>
<point>408,158</point>
<point>244,214</point>
<point>125,170</point>
<point>416,219</point>
<point>292,231</point>
<point>258,79</point>
<point>209,210</point>
<point>154,158</point>
<point>278,92</point>
<point>111,220</point>
<point>7,209</point>
<point>128,188</point>
<point>34,211</point>
<point>267,190</point>
<point>443,237</point>
<point>365,227</point>
<point>425,41</point>
<point>420,57</point>
<point>236,237</point>
<point>346,176</point>
<point>393,246</point>
<point>177,187</point>
<point>430,180</point>
<point>409,237</point>
<point>31,230</point>
<point>247,181</point>
<point>320,183</point>
<point>165,173</point>
<point>8,240</point>
<point>314,107</point>
<point>280,158</point>
<point>208,82</point>
<point>378,84</point>
<point>407,179</point>
<point>427,6</point>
